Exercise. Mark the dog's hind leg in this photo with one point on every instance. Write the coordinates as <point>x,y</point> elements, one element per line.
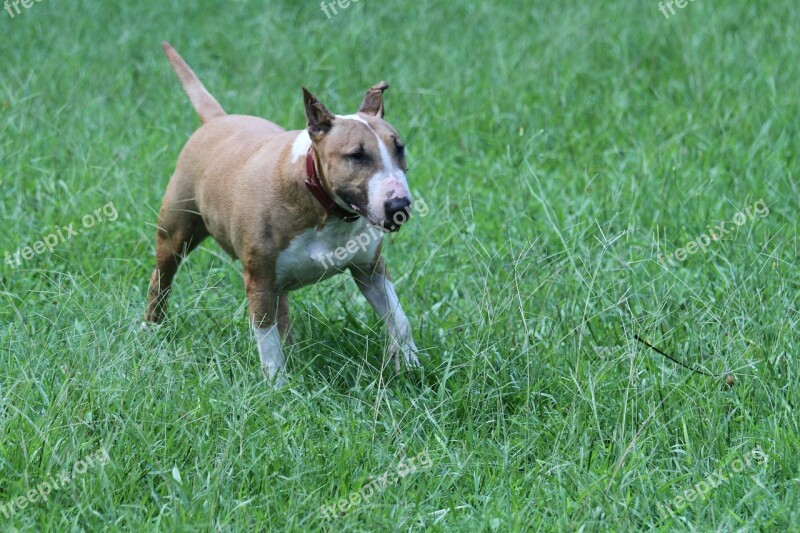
<point>284,320</point>
<point>179,232</point>
<point>265,303</point>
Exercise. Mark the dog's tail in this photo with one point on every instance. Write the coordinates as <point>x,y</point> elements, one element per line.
<point>205,104</point>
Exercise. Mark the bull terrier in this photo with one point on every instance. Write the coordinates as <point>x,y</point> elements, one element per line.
<point>280,202</point>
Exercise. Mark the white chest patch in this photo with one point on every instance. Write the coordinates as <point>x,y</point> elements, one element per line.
<point>315,255</point>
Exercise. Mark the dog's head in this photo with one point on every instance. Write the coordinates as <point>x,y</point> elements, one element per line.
<point>361,159</point>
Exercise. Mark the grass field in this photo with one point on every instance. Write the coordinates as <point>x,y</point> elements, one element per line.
<point>561,147</point>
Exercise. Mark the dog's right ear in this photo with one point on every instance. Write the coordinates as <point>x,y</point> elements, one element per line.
<point>373,101</point>
<point>318,119</point>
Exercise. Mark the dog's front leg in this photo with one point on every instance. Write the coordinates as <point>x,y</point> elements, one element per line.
<point>379,292</point>
<point>263,303</point>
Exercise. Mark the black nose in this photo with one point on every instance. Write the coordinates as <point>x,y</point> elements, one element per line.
<point>398,211</point>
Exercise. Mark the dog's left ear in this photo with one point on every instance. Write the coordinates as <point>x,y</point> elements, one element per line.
<point>373,101</point>
<point>319,119</point>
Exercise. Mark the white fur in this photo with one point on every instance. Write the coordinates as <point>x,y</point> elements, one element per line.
<point>269,350</point>
<point>381,295</point>
<point>301,145</point>
<point>311,256</point>
<point>386,159</point>
<point>354,117</point>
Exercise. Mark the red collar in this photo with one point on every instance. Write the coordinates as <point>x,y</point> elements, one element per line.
<point>314,185</point>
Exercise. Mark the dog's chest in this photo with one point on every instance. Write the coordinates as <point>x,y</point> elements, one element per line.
<point>315,255</point>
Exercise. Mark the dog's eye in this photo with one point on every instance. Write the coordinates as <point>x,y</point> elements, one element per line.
<point>401,154</point>
<point>359,156</point>
<point>400,148</point>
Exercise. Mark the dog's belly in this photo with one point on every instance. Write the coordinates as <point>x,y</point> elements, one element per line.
<point>315,255</point>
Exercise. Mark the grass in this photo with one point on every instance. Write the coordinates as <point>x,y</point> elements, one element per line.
<point>561,147</point>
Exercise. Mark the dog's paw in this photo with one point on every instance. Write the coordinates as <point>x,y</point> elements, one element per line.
<point>277,380</point>
<point>148,327</point>
<point>407,351</point>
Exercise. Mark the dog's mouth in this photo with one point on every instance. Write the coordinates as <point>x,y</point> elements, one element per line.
<point>387,226</point>
<point>361,212</point>
<point>390,226</point>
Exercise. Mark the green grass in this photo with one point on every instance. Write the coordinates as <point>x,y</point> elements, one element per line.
<point>561,147</point>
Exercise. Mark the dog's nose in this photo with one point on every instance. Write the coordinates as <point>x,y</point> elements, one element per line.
<point>398,211</point>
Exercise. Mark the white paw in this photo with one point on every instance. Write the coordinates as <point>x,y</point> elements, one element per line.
<point>407,351</point>
<point>149,327</point>
<point>276,379</point>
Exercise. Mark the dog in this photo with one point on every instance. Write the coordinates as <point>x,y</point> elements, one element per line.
<point>281,202</point>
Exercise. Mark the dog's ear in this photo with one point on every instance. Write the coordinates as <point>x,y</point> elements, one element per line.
<point>318,119</point>
<point>373,101</point>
